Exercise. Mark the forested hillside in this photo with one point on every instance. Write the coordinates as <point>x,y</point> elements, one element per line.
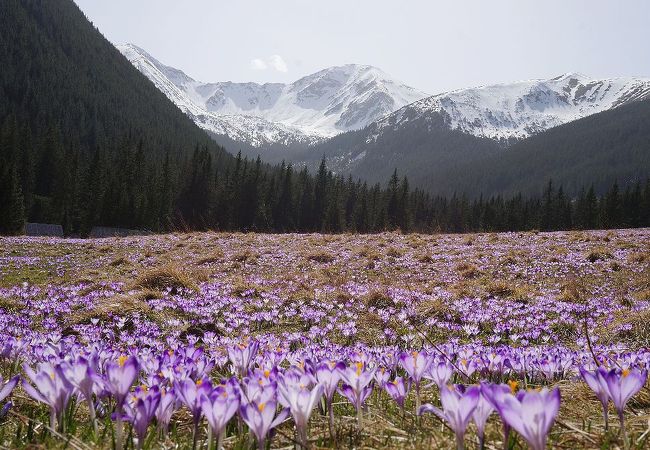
<point>85,138</point>
<point>600,149</point>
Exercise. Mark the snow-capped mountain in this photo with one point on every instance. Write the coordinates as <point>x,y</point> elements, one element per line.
<point>309,110</point>
<point>507,112</point>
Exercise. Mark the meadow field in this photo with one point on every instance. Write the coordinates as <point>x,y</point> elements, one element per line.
<point>326,341</point>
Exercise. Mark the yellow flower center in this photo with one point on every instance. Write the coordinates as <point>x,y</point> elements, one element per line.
<point>261,406</point>
<point>122,360</point>
<point>626,372</point>
<point>513,385</point>
<point>267,373</point>
<point>199,382</point>
<point>359,368</point>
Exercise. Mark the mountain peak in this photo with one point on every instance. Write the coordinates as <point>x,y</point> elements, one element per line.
<point>333,100</point>
<point>572,75</point>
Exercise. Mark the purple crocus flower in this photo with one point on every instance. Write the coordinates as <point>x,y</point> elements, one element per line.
<point>142,410</point>
<point>300,400</point>
<point>357,386</point>
<point>440,373</point>
<point>482,412</point>
<point>86,381</point>
<point>242,357</point>
<point>261,418</point>
<point>8,386</point>
<point>218,408</point>
<point>166,407</point>
<point>494,393</point>
<point>328,375</point>
<point>190,394</point>
<point>120,376</point>
<point>531,413</point>
<point>51,387</point>
<point>622,386</point>
<point>458,404</point>
<point>416,365</point>
<point>398,389</point>
<point>596,380</point>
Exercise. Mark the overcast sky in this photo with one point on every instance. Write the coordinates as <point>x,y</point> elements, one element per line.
<point>432,45</point>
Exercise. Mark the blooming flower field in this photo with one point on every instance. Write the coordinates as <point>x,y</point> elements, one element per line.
<point>519,340</point>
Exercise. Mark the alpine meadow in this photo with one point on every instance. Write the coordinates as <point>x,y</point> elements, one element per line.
<point>223,226</point>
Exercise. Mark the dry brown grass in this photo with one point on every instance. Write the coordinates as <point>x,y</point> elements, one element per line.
<point>573,291</point>
<point>437,308</point>
<point>106,307</point>
<point>368,252</point>
<point>215,256</point>
<point>321,257</point>
<point>425,259</point>
<point>378,299</point>
<point>170,276</point>
<point>638,334</point>
<point>119,261</point>
<point>468,270</point>
<point>500,288</point>
<point>394,252</point>
<point>246,257</point>
<point>598,254</point>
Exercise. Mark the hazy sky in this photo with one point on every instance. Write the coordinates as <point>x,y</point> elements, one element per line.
<point>430,44</point>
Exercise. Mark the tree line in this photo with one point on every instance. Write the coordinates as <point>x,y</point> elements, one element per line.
<point>43,180</point>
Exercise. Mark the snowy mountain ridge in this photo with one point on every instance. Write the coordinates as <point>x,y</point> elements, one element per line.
<point>514,111</point>
<point>309,110</point>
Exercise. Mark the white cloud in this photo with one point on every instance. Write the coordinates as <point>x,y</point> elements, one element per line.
<point>278,63</point>
<point>258,64</point>
<point>274,62</point>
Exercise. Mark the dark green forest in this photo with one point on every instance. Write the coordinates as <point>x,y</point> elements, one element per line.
<point>86,140</point>
<point>611,146</point>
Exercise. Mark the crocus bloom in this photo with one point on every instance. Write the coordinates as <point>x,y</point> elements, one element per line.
<point>8,386</point>
<point>218,408</point>
<point>382,376</point>
<point>494,394</point>
<point>458,404</point>
<point>416,365</point>
<point>440,373</point>
<point>52,388</point>
<point>261,419</point>
<point>142,410</point>
<point>83,377</point>
<point>166,408</point>
<point>242,356</point>
<point>120,376</point>
<point>301,401</point>
<point>596,380</point>
<point>481,414</point>
<point>531,414</point>
<point>398,389</point>
<point>190,393</point>
<point>328,375</point>
<point>357,387</point>
<point>621,387</point>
